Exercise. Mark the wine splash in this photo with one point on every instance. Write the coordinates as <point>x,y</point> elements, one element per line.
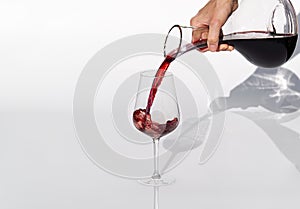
<point>142,117</point>
<point>143,122</point>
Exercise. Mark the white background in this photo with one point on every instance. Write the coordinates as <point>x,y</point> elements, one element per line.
<point>44,46</point>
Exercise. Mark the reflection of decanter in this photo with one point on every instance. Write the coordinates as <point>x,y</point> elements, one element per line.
<point>264,32</point>
<point>277,90</point>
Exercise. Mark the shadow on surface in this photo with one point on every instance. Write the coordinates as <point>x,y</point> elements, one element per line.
<point>278,92</point>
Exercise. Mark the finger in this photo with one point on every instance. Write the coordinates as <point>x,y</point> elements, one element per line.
<point>199,22</point>
<point>230,48</point>
<point>196,36</point>
<point>225,47</point>
<point>203,49</point>
<point>204,35</point>
<point>213,34</point>
<point>222,47</point>
<point>218,20</point>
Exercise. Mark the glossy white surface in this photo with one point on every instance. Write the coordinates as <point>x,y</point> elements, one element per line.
<point>42,165</point>
<point>44,47</point>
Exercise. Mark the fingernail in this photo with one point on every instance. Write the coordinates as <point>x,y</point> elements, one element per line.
<point>213,47</point>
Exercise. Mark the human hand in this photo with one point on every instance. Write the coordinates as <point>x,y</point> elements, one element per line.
<point>213,16</point>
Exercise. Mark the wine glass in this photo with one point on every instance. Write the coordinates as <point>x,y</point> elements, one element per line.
<point>264,32</point>
<point>156,114</point>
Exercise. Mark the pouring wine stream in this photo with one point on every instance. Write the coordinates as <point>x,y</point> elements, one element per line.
<point>264,48</point>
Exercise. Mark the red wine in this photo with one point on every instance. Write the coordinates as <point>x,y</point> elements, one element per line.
<point>142,117</point>
<point>143,122</point>
<point>263,49</point>
<point>260,48</point>
<point>158,79</point>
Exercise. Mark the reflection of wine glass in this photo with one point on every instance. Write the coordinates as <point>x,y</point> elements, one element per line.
<point>156,197</point>
<point>157,119</point>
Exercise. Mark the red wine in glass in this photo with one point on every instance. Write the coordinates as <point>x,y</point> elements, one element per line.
<point>142,117</point>
<point>261,48</point>
<point>143,122</point>
<point>161,120</point>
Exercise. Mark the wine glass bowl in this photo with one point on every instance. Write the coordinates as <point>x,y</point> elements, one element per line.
<point>156,114</point>
<point>163,114</point>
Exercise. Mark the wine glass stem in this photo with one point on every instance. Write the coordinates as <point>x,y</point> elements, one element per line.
<point>156,174</point>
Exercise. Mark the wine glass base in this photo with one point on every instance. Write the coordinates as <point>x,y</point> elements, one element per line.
<point>157,182</point>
